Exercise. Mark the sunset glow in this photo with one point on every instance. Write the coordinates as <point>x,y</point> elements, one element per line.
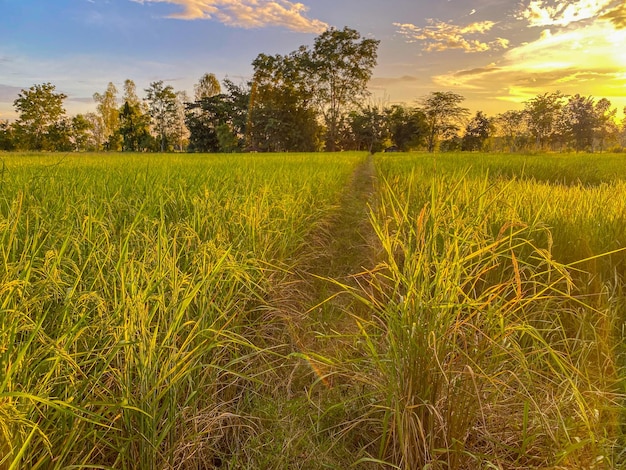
<point>497,54</point>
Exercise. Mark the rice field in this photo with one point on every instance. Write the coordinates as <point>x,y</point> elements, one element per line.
<point>499,324</point>
<point>165,312</point>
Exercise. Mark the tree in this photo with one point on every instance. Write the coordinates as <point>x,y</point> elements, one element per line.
<point>369,128</point>
<point>542,113</point>
<point>108,111</point>
<point>407,127</point>
<point>180,133</point>
<point>134,127</point>
<point>7,139</point>
<point>339,66</point>
<point>80,132</point>
<point>163,110</point>
<point>204,115</point>
<point>606,125</point>
<point>207,86</point>
<point>513,129</point>
<point>202,119</point>
<point>134,121</point>
<point>578,121</point>
<point>281,116</point>
<point>40,110</point>
<point>59,136</point>
<point>130,95</point>
<point>443,113</point>
<point>217,121</point>
<point>97,130</point>
<point>477,131</point>
<point>227,140</point>
<point>237,102</point>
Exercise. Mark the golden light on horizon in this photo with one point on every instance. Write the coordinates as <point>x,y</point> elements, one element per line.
<point>589,60</point>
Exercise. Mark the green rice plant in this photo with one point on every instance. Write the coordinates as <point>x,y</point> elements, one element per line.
<point>479,350</point>
<point>138,326</point>
<point>132,292</point>
<point>566,169</point>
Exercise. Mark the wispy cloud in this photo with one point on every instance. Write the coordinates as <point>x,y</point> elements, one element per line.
<point>438,36</point>
<point>575,60</point>
<point>540,13</point>
<point>617,16</point>
<point>247,13</point>
<point>407,82</point>
<point>382,81</point>
<point>8,93</point>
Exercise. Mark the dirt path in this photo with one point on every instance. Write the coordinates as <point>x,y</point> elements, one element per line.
<point>349,239</point>
<point>310,334</point>
<point>314,308</point>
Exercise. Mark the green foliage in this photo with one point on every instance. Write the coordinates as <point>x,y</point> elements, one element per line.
<point>217,122</point>
<point>281,116</point>
<point>207,86</point>
<point>512,130</point>
<point>7,138</point>
<point>290,93</point>
<point>162,108</point>
<point>579,121</point>
<point>108,113</point>
<point>227,140</point>
<point>134,128</point>
<point>339,67</point>
<point>369,129</point>
<point>40,122</point>
<point>407,127</point>
<point>81,130</point>
<point>543,115</point>
<point>443,113</point>
<point>477,131</point>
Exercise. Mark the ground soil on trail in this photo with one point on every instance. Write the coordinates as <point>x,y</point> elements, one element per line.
<point>315,307</point>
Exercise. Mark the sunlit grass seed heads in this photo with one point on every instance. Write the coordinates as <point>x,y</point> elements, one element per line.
<point>141,322</point>
<point>128,285</point>
<point>495,336</point>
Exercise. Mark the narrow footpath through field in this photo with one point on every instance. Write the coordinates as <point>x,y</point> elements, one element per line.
<point>338,253</point>
<point>316,331</point>
<point>311,328</point>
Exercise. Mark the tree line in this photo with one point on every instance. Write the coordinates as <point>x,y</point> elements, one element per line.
<point>313,99</point>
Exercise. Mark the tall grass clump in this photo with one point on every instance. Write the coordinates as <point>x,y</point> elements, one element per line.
<point>479,350</point>
<point>132,293</point>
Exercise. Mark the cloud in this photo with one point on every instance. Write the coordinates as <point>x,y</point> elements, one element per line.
<point>79,99</point>
<point>439,36</point>
<point>585,60</point>
<point>385,81</point>
<point>8,93</point>
<point>386,85</point>
<point>540,13</point>
<point>247,13</point>
<point>617,16</point>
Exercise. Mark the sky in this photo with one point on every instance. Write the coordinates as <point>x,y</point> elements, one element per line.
<point>496,53</point>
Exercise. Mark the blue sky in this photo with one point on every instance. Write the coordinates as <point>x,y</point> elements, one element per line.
<point>495,53</point>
